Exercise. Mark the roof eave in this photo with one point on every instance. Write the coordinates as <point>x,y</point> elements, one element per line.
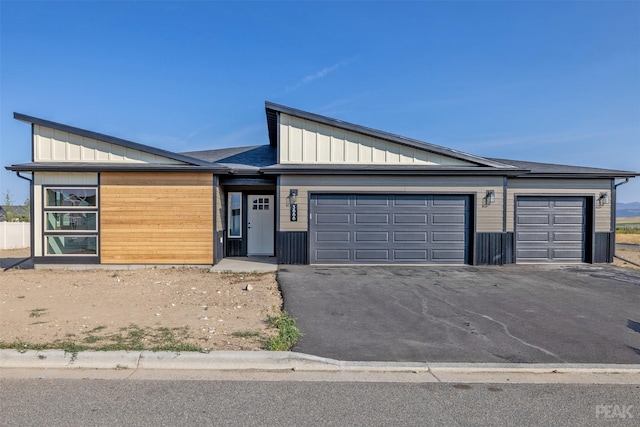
<point>376,170</point>
<point>592,175</point>
<point>88,167</point>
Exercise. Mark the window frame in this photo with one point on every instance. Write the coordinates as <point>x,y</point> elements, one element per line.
<point>230,215</point>
<point>50,209</point>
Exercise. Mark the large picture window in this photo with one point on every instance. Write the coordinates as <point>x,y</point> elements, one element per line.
<point>71,221</point>
<point>235,215</point>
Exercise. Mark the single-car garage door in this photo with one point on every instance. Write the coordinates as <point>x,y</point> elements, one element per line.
<point>385,228</point>
<point>550,229</point>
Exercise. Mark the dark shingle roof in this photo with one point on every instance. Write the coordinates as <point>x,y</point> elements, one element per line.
<point>554,170</point>
<point>256,155</point>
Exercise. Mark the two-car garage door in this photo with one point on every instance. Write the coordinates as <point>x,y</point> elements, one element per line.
<point>389,228</point>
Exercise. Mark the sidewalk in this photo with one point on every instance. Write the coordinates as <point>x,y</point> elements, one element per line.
<point>308,367</point>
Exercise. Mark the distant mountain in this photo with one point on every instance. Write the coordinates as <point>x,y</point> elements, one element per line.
<point>626,210</point>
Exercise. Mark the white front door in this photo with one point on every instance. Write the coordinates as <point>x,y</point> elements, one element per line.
<point>260,225</point>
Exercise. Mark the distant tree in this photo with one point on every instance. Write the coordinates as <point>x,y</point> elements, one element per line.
<point>27,206</point>
<point>8,207</point>
<point>11,214</point>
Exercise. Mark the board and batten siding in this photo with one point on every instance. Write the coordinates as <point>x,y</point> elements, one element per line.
<point>155,218</point>
<point>488,218</point>
<point>560,187</point>
<point>62,179</point>
<point>309,142</point>
<point>52,145</point>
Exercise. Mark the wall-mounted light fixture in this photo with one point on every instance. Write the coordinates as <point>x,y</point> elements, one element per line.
<point>292,198</point>
<point>603,199</point>
<point>489,198</point>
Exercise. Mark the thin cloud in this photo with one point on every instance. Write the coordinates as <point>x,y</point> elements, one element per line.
<point>318,75</point>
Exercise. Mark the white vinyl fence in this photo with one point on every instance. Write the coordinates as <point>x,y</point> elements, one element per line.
<point>15,235</point>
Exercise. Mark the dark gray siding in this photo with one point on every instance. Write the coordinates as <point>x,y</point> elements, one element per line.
<point>384,228</point>
<point>291,247</point>
<point>604,247</point>
<point>494,248</point>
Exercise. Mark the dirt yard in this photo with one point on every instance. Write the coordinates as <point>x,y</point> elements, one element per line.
<point>630,254</point>
<point>147,307</point>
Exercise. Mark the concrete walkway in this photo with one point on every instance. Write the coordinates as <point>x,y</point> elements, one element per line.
<point>252,264</point>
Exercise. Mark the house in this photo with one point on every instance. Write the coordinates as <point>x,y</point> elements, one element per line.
<point>322,191</point>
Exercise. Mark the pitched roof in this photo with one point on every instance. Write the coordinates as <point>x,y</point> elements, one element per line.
<point>551,170</point>
<point>109,139</point>
<point>272,121</point>
<point>258,156</point>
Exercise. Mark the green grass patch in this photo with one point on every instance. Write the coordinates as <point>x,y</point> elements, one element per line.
<point>288,332</point>
<point>628,229</point>
<point>130,338</point>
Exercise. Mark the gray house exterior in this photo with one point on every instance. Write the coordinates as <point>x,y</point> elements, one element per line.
<point>322,191</point>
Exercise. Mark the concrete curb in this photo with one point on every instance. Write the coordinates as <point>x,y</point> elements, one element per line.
<point>279,361</point>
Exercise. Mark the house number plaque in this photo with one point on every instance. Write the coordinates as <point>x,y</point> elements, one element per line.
<point>293,212</point>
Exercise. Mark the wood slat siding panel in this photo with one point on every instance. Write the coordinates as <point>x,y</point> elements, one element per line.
<point>306,141</point>
<point>55,145</point>
<point>488,219</point>
<point>574,187</point>
<point>156,218</point>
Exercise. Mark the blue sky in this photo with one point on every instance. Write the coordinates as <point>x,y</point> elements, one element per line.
<point>555,82</point>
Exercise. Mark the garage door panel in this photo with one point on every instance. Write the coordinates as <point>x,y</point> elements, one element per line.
<point>323,200</point>
<point>389,229</point>
<point>568,219</point>
<point>408,236</point>
<point>567,203</point>
<point>333,218</point>
<point>566,254</point>
<point>447,236</point>
<point>550,229</point>
<point>533,254</point>
<point>332,255</point>
<point>446,201</point>
<point>371,255</point>
<point>371,236</point>
<point>448,219</point>
<point>533,219</point>
<point>333,236</point>
<point>533,237</point>
<point>371,200</point>
<point>409,200</point>
<point>560,237</point>
<point>441,255</point>
<point>532,203</point>
<point>408,255</point>
<point>410,219</point>
<point>367,218</point>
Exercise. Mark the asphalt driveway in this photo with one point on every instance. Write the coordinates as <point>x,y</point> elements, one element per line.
<point>519,314</point>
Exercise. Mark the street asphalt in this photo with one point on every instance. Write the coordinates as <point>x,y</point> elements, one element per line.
<point>506,314</point>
